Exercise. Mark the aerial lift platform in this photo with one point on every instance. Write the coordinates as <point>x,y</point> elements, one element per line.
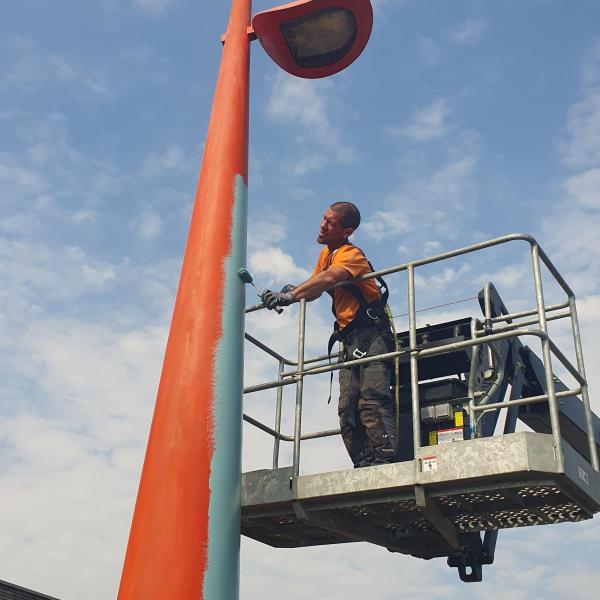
<point>463,474</point>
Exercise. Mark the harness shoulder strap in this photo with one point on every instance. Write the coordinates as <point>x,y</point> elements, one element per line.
<point>355,290</point>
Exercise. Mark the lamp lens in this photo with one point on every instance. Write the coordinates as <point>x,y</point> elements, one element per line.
<point>320,38</point>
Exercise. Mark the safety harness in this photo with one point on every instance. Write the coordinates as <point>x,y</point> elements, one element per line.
<point>368,315</point>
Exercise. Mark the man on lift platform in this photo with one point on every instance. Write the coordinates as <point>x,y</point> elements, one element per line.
<point>365,409</point>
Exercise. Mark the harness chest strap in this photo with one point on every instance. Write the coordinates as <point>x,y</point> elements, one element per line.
<point>368,312</point>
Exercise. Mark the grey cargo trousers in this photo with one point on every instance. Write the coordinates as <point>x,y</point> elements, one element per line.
<point>366,410</point>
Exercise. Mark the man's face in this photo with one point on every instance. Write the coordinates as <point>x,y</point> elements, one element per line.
<point>331,231</point>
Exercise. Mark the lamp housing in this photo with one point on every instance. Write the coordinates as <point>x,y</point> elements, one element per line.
<point>315,38</point>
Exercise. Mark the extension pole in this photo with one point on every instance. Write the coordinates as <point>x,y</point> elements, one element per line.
<point>185,535</point>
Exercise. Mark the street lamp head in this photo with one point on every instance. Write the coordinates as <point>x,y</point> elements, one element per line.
<point>315,38</point>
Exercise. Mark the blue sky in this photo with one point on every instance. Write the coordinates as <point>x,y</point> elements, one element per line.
<point>460,122</point>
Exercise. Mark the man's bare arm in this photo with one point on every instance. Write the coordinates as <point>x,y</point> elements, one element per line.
<point>312,288</point>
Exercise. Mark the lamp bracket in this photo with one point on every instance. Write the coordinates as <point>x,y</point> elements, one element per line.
<point>249,32</point>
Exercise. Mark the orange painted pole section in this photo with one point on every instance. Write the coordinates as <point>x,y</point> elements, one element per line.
<point>184,539</point>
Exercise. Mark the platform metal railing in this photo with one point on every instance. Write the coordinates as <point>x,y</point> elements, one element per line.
<point>493,332</point>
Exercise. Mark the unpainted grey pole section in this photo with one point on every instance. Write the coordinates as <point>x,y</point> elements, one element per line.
<point>414,374</point>
<point>299,385</point>
<point>546,355</point>
<point>584,387</point>
<point>278,403</point>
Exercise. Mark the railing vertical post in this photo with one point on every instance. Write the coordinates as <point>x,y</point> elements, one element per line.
<point>299,386</point>
<point>414,374</point>
<point>278,417</point>
<point>472,374</point>
<point>584,387</point>
<point>487,303</point>
<point>546,354</point>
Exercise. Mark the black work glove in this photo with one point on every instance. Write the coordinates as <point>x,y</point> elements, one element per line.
<point>288,287</point>
<point>272,299</point>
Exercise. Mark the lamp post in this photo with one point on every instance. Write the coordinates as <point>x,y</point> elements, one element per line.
<point>185,533</point>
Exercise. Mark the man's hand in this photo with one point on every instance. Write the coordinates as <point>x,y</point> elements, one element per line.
<point>273,299</point>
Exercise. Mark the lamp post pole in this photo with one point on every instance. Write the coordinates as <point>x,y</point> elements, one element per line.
<point>185,534</point>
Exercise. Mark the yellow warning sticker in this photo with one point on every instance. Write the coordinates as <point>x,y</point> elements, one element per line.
<point>459,420</point>
<point>432,438</point>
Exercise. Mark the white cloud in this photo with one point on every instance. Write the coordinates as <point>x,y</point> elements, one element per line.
<point>83,215</point>
<point>584,188</point>
<point>427,123</point>
<point>14,176</point>
<point>34,273</point>
<point>432,246</point>
<point>468,32</point>
<point>385,223</point>
<point>171,158</point>
<point>19,224</point>
<point>441,280</point>
<point>266,259</point>
<point>573,246</point>
<point>523,570</point>
<point>305,103</point>
<point>580,147</point>
<point>148,225</point>
<point>47,175</point>
<point>274,265</point>
<point>80,378</point>
<point>579,144</point>
<point>572,225</point>
<point>266,232</point>
<point>33,67</point>
<point>509,277</point>
<point>588,311</point>
<point>433,203</point>
<point>74,445</point>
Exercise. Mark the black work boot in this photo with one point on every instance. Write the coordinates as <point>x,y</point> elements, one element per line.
<point>364,458</point>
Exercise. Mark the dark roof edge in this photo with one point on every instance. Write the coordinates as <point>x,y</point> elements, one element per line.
<point>18,587</point>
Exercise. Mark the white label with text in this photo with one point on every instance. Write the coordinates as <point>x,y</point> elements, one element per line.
<point>445,436</point>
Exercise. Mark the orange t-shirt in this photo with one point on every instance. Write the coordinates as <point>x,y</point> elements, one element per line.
<point>351,259</point>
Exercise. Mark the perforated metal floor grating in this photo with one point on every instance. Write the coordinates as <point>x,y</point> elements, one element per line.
<point>404,522</point>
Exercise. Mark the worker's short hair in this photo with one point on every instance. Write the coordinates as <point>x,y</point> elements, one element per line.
<point>350,215</point>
